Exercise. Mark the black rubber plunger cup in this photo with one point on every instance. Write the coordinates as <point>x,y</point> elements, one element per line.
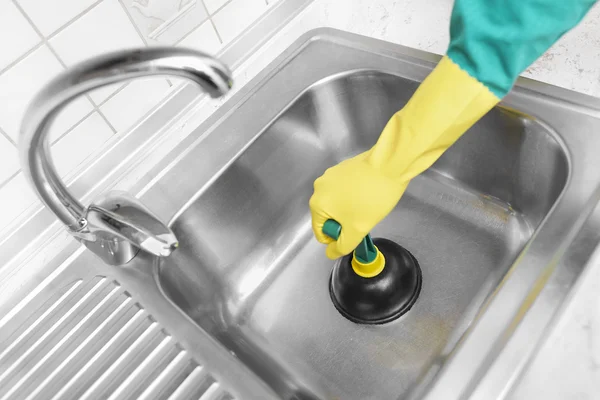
<point>382,297</point>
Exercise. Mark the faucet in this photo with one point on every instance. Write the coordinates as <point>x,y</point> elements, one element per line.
<point>116,226</point>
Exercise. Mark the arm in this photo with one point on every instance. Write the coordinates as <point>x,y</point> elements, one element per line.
<point>492,42</point>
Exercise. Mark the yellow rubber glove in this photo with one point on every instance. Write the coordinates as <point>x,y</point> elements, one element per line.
<point>447,103</point>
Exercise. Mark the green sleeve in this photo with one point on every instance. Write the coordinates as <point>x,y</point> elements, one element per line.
<point>495,40</point>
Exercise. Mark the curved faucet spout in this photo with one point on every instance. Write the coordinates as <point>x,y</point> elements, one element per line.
<point>210,74</point>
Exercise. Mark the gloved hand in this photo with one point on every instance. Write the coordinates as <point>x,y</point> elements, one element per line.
<point>491,43</point>
<point>359,192</point>
<point>357,195</point>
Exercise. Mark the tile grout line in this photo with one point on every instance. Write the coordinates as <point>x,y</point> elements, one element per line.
<point>216,30</point>
<point>41,43</point>
<point>107,121</point>
<point>64,65</point>
<point>44,39</point>
<point>75,125</point>
<point>7,137</point>
<point>72,20</point>
<point>211,20</point>
<point>22,57</point>
<point>96,107</point>
<point>220,8</point>
<point>130,18</point>
<point>113,94</point>
<point>7,180</point>
<point>242,33</point>
<point>215,13</point>
<point>144,40</point>
<point>46,42</point>
<point>178,41</point>
<point>10,178</point>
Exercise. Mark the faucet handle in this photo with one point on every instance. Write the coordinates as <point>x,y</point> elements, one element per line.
<point>120,215</point>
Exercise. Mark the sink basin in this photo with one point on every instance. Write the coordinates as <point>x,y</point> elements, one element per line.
<point>249,272</point>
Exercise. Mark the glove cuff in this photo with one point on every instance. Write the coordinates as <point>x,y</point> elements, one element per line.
<point>446,104</point>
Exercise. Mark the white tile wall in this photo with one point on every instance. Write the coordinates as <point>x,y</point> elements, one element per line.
<point>21,82</point>
<point>16,33</point>
<point>17,196</point>
<point>165,22</point>
<point>236,16</point>
<point>10,159</point>
<point>50,15</point>
<point>203,38</point>
<point>40,38</point>
<point>213,5</point>
<point>104,28</point>
<point>137,99</point>
<point>65,159</point>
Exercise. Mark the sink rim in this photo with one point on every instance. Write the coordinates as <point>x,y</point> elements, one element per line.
<point>527,90</point>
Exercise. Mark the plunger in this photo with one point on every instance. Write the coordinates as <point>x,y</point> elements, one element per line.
<point>377,283</point>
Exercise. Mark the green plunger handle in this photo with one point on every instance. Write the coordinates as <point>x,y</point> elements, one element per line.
<point>365,252</point>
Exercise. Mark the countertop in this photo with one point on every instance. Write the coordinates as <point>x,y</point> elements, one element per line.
<point>568,363</point>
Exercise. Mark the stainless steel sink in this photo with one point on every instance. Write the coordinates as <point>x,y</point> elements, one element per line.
<point>502,226</point>
<point>249,271</point>
<point>485,222</point>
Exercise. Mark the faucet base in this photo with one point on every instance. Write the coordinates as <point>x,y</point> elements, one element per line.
<point>113,251</point>
<point>118,225</point>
